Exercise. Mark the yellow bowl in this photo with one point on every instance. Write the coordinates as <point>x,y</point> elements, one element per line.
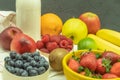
<point>71,75</point>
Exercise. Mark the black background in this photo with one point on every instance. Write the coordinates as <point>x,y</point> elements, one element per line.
<point>107,10</point>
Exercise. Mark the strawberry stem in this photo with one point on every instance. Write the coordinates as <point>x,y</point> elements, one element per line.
<point>75,57</point>
<point>106,63</point>
<point>80,69</point>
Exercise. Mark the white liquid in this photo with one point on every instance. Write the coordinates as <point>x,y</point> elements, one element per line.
<point>28,14</point>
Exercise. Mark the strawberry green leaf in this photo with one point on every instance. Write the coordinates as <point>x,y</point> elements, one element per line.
<point>80,69</point>
<point>106,63</point>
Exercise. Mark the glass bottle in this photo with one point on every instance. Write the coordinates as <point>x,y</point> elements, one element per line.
<point>28,14</point>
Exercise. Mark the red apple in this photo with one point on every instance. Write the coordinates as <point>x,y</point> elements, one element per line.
<point>7,35</point>
<point>22,43</point>
<point>92,21</point>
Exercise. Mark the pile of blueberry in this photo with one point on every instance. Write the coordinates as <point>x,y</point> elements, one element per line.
<point>26,64</point>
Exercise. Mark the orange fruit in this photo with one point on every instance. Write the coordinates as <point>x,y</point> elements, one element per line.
<point>51,24</point>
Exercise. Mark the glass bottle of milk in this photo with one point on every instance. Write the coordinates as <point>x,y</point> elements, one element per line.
<point>28,14</point>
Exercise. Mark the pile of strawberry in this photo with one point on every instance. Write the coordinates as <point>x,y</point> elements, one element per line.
<point>49,43</point>
<point>104,66</point>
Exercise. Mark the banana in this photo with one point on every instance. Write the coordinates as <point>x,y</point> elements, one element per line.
<point>109,35</point>
<point>104,45</point>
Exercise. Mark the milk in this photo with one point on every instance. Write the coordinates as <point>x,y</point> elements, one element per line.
<point>28,14</point>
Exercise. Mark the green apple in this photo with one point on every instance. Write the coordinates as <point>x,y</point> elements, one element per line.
<point>75,29</point>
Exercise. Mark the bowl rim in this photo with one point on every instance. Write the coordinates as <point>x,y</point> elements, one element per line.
<point>65,66</point>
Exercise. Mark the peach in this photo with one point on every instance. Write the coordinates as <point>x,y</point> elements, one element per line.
<point>7,35</point>
<point>23,43</point>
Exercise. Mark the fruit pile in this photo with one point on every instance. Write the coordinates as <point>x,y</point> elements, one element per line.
<point>49,43</point>
<point>96,65</point>
<point>27,64</point>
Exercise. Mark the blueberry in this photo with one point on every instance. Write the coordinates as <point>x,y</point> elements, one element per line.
<point>46,65</point>
<point>33,72</point>
<point>13,54</point>
<point>10,69</point>
<point>18,57</point>
<point>35,68</point>
<point>38,64</point>
<point>41,70</point>
<point>33,63</point>
<point>24,73</point>
<point>26,65</point>
<point>25,56</point>
<point>18,71</point>
<point>11,63</point>
<point>42,59</point>
<point>29,59</point>
<point>18,63</point>
<point>29,68</point>
<point>7,59</point>
<point>37,58</point>
<point>36,53</point>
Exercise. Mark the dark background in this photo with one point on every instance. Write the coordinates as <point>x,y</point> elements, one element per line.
<point>107,10</point>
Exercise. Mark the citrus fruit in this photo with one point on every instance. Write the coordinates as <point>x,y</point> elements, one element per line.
<point>87,43</point>
<point>51,24</point>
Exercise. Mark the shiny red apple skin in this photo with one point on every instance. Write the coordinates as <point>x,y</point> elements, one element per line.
<point>7,35</point>
<point>92,21</point>
<point>23,43</point>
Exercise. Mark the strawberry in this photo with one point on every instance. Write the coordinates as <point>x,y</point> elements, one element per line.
<point>103,65</point>
<point>109,76</point>
<point>115,69</point>
<point>111,55</point>
<point>88,60</point>
<point>73,64</point>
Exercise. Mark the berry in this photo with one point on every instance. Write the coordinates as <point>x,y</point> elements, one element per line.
<point>33,63</point>
<point>18,63</point>
<point>55,38</point>
<point>26,65</point>
<point>11,63</point>
<point>10,69</point>
<point>36,53</point>
<point>62,37</point>
<point>18,57</point>
<point>18,71</point>
<point>109,76</point>
<point>24,73</point>
<point>103,65</point>
<point>12,54</point>
<point>111,55</point>
<point>41,70</point>
<point>63,43</point>
<point>29,58</point>
<point>29,68</point>
<point>69,47</point>
<point>7,59</point>
<point>73,64</point>
<point>88,60</point>
<point>115,69</point>
<point>37,58</point>
<point>25,56</point>
<point>46,65</point>
<point>44,50</point>
<point>39,44</point>
<point>70,41</point>
<point>33,72</point>
<point>45,38</point>
<point>51,45</point>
